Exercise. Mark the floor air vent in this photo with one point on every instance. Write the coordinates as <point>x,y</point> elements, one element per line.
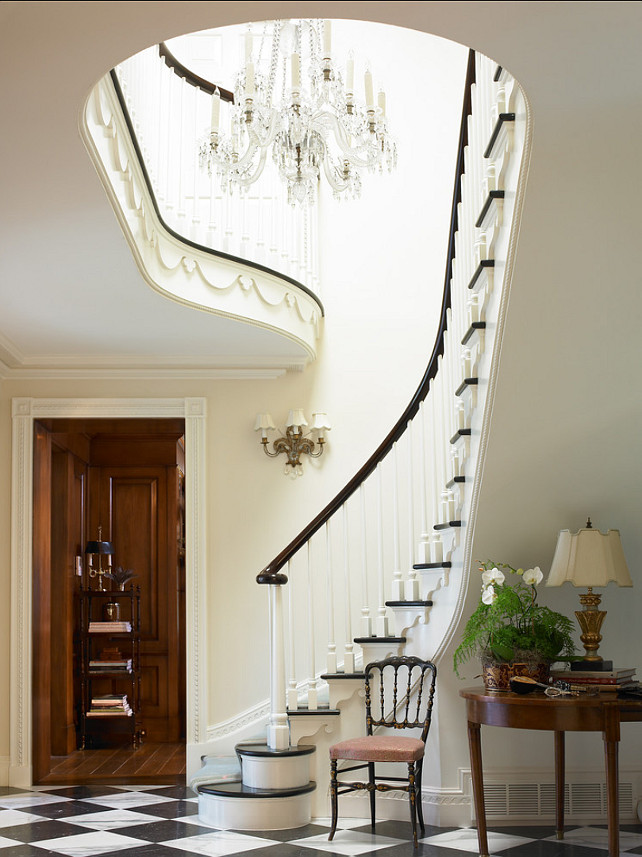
<point>505,801</point>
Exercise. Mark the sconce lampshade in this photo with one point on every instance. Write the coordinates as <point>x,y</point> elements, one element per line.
<point>320,422</point>
<point>589,558</point>
<point>105,548</point>
<point>264,422</point>
<point>296,418</point>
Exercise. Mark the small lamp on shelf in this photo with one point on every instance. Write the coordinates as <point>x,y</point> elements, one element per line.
<point>96,550</point>
<point>590,558</point>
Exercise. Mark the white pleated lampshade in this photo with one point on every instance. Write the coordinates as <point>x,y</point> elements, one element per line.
<point>320,422</point>
<point>589,558</point>
<point>296,418</point>
<point>264,422</point>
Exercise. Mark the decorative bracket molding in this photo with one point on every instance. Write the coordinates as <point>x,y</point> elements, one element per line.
<point>179,270</point>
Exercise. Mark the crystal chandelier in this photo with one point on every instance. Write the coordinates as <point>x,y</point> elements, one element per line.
<point>292,96</point>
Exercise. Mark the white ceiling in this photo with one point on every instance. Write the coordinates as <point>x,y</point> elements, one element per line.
<point>70,293</point>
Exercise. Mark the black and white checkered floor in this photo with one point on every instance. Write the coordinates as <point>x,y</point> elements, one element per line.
<point>162,821</point>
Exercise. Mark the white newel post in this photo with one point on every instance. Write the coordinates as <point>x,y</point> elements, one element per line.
<point>278,732</point>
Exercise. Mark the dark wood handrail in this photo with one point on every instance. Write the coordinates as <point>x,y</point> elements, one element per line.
<point>270,574</point>
<point>191,77</point>
<point>183,238</point>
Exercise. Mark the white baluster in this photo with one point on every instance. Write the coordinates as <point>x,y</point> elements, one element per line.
<point>381,623</point>
<point>293,693</point>
<point>411,588</point>
<point>169,134</point>
<point>366,621</point>
<point>313,700</point>
<point>424,545</point>
<point>278,731</point>
<point>332,645</point>
<point>195,214</point>
<point>397,582</point>
<point>348,657</point>
<point>181,168</point>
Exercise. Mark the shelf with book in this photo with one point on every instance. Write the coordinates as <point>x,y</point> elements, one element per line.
<point>109,667</point>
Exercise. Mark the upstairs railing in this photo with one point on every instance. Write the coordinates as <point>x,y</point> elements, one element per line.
<point>395,534</point>
<point>169,109</point>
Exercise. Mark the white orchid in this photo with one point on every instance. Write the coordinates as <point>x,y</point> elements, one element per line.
<point>488,595</point>
<point>533,576</point>
<point>493,576</point>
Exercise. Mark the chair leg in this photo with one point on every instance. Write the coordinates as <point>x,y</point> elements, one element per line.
<point>420,809</point>
<point>371,791</point>
<point>334,801</point>
<point>413,801</point>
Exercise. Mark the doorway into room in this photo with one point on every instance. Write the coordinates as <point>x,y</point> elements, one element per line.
<point>126,476</point>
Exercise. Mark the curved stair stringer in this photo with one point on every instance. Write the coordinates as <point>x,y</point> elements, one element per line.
<point>182,271</point>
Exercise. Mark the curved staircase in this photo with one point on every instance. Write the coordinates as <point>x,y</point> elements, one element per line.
<point>412,505</point>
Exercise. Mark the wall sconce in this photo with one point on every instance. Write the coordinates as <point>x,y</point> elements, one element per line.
<point>296,442</point>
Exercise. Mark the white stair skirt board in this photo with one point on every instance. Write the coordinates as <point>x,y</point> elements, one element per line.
<point>224,808</point>
<point>265,769</point>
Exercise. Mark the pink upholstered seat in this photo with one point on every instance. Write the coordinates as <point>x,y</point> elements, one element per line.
<point>379,748</point>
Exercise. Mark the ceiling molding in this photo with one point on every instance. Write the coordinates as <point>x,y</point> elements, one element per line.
<point>161,373</point>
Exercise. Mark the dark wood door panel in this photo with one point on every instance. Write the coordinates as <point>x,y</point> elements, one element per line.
<point>137,507</point>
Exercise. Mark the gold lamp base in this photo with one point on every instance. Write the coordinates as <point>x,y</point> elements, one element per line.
<point>590,621</point>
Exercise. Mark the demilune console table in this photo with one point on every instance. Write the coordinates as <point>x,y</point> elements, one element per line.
<point>559,715</point>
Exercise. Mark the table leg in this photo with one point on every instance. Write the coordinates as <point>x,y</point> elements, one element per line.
<point>474,744</point>
<point>611,752</point>
<point>611,743</point>
<point>559,784</point>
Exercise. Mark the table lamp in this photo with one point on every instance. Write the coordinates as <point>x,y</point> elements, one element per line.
<point>590,558</point>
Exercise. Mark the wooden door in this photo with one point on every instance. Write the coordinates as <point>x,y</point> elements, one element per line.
<point>136,506</point>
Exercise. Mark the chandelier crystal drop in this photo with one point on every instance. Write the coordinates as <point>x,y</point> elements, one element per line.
<point>292,96</point>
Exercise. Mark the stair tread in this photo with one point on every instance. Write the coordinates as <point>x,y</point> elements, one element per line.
<point>240,790</point>
<point>331,676</point>
<point>421,565</point>
<point>312,712</point>
<point>408,603</point>
<point>260,748</point>
<point>373,640</point>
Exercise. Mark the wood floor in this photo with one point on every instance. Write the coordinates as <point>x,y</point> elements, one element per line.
<point>150,764</point>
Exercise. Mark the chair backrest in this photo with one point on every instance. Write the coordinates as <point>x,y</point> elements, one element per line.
<point>403,693</point>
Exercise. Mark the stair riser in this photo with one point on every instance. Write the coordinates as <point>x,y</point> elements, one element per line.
<point>227,813</point>
<point>275,773</point>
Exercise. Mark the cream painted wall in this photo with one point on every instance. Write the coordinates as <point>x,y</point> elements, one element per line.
<point>566,436</point>
<point>566,428</point>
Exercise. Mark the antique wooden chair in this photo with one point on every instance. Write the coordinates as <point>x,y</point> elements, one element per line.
<point>403,699</point>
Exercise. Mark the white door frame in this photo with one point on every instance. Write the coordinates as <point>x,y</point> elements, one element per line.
<point>24,412</point>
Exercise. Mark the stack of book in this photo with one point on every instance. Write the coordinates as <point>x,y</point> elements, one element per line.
<point>109,705</point>
<point>111,666</point>
<point>109,627</point>
<point>609,681</point>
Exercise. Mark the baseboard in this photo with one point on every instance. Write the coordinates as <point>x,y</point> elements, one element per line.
<point>17,776</point>
<point>441,807</point>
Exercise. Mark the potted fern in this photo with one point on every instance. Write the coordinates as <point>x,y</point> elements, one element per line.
<point>510,632</point>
